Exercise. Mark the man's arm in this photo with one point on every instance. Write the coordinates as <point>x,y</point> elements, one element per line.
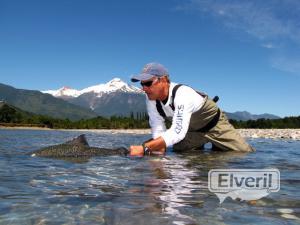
<point>156,147</point>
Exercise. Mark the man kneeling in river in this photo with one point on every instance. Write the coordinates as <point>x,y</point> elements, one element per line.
<point>196,119</point>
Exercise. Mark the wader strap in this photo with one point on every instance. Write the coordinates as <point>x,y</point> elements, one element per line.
<point>173,95</point>
<point>211,123</point>
<point>162,112</point>
<point>159,106</point>
<point>160,109</point>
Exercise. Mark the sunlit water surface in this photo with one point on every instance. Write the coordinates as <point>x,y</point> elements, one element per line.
<point>123,190</point>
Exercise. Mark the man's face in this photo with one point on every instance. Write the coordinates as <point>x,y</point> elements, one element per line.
<point>151,88</point>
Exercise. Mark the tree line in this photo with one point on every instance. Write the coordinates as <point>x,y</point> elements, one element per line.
<point>284,123</point>
<point>12,116</point>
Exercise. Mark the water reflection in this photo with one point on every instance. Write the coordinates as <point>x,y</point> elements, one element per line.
<point>183,181</point>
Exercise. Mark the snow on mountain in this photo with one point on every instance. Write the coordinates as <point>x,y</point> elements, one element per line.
<point>64,91</point>
<point>114,85</point>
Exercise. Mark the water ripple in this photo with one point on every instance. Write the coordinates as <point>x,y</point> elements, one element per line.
<point>120,190</point>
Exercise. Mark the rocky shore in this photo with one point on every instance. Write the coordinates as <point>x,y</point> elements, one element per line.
<point>293,134</point>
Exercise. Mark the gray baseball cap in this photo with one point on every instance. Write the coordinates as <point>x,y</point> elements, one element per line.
<point>150,70</point>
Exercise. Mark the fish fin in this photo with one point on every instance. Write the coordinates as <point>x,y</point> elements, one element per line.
<point>80,140</point>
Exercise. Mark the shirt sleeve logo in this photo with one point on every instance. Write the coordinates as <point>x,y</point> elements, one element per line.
<point>179,119</point>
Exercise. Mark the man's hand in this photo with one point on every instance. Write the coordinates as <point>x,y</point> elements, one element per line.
<point>136,150</point>
<point>157,146</point>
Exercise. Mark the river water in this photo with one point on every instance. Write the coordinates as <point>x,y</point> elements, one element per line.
<point>125,190</point>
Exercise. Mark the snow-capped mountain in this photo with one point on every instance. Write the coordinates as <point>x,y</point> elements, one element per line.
<point>115,85</point>
<point>64,91</point>
<point>112,98</point>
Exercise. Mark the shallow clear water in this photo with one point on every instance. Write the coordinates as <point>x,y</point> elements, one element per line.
<point>122,190</point>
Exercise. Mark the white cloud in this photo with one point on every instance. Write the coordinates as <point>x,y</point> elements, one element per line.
<point>261,19</point>
<point>285,63</point>
<point>275,24</point>
<point>268,45</point>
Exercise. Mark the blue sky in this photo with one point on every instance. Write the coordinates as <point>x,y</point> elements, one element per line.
<point>247,52</point>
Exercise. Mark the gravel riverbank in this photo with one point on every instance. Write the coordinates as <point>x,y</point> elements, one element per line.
<point>271,133</point>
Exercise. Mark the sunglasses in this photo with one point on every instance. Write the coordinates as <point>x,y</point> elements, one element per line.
<point>147,83</point>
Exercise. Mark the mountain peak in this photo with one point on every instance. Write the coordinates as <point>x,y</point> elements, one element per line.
<point>114,85</point>
<point>117,84</point>
<point>116,80</point>
<point>64,91</point>
<point>245,115</point>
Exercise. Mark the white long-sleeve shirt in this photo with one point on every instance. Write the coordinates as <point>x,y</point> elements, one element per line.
<point>186,102</point>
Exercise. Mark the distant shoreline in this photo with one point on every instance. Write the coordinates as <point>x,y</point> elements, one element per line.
<point>129,131</point>
<point>292,134</point>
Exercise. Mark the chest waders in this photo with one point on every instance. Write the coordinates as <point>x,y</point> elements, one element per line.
<point>208,124</point>
<point>201,121</point>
